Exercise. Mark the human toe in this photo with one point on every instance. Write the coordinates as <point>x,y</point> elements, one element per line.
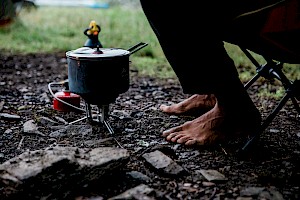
<point>177,137</point>
<point>170,131</point>
<point>164,108</point>
<point>191,142</point>
<point>183,139</point>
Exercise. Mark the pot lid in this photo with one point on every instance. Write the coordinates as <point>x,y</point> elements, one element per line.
<point>87,52</point>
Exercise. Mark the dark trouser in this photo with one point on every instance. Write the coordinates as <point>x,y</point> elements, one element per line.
<point>192,42</point>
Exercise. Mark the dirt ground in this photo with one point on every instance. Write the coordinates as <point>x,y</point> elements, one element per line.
<point>138,124</point>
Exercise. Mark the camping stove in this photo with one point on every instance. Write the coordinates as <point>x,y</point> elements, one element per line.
<point>99,75</point>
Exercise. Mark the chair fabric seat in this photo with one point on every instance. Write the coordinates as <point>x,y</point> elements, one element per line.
<point>273,33</point>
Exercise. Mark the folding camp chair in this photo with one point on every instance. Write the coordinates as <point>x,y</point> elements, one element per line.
<point>274,33</point>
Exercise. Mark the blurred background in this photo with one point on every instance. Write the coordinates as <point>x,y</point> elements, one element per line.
<point>51,26</point>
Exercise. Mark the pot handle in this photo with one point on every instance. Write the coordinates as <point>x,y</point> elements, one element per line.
<point>136,47</point>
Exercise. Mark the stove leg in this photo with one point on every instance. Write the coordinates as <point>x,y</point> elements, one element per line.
<point>88,114</point>
<point>78,120</point>
<point>111,131</point>
<point>88,110</point>
<point>102,114</point>
<point>103,111</point>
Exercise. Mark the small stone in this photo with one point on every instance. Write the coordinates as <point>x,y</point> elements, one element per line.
<point>163,163</point>
<point>10,117</point>
<point>31,128</point>
<point>208,184</point>
<point>141,191</point>
<point>213,175</point>
<point>251,191</point>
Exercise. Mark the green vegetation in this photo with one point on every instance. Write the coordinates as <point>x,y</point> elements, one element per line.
<point>52,29</point>
<point>49,29</point>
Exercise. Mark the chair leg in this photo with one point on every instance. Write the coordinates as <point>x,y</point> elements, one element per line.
<point>267,121</point>
<point>272,70</point>
<point>296,96</point>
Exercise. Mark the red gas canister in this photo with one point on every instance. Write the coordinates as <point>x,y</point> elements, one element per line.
<point>67,97</point>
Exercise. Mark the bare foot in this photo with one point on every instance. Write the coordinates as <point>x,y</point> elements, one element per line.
<point>208,129</point>
<point>202,130</point>
<point>193,105</point>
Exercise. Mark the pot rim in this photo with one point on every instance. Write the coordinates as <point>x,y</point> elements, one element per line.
<point>92,53</point>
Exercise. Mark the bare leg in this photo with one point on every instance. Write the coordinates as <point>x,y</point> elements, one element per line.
<point>211,127</point>
<point>190,106</point>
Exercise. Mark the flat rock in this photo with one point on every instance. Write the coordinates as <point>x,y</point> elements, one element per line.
<point>56,169</point>
<point>163,163</point>
<point>213,175</point>
<point>141,191</point>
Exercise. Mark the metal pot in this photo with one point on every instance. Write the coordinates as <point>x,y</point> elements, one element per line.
<point>99,75</point>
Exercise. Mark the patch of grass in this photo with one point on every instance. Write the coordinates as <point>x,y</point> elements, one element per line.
<point>49,29</point>
<point>153,67</point>
<point>278,94</point>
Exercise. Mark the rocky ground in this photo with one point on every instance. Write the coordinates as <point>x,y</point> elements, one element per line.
<point>270,170</point>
